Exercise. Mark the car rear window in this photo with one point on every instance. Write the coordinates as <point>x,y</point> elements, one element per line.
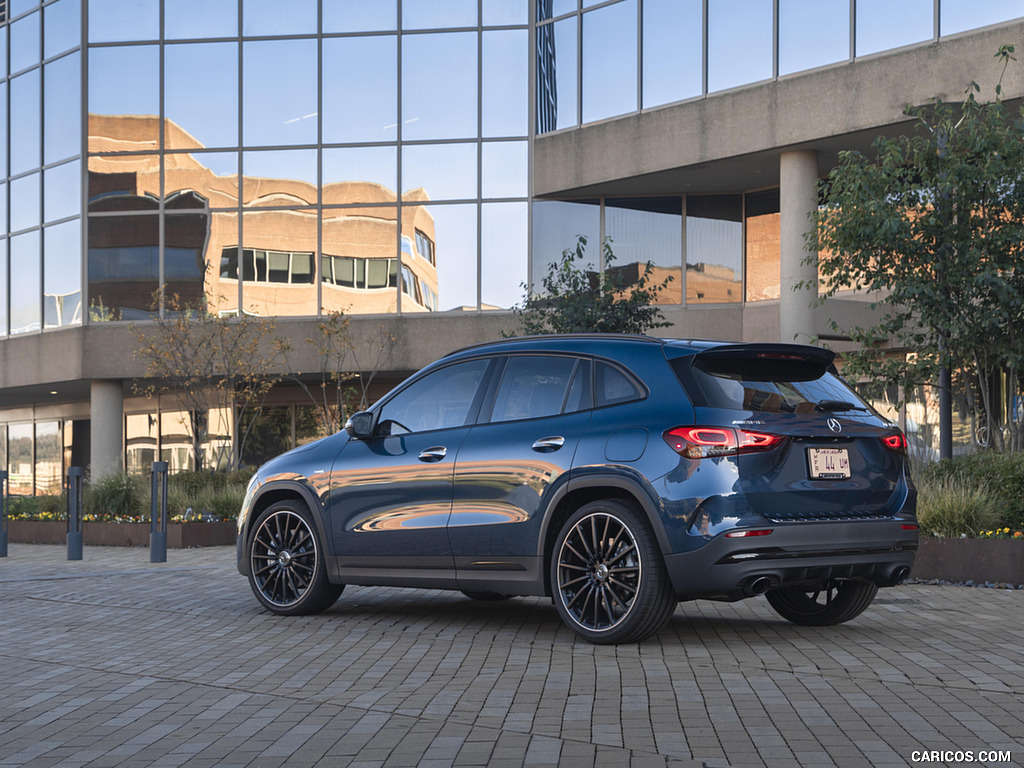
<point>765,386</point>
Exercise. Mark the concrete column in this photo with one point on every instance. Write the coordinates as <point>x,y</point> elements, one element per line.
<point>106,441</point>
<point>798,198</point>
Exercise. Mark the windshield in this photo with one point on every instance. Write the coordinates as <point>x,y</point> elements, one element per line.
<point>775,388</point>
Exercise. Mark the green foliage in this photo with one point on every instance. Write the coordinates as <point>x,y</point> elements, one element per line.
<point>116,497</point>
<point>577,299</point>
<point>998,475</point>
<point>932,227</point>
<point>206,494</point>
<point>951,507</point>
<point>126,498</point>
<point>36,508</point>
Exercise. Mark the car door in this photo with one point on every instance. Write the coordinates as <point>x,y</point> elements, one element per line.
<point>510,465</point>
<point>391,494</point>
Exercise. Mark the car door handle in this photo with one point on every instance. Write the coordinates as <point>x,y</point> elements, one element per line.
<point>549,444</point>
<point>436,453</point>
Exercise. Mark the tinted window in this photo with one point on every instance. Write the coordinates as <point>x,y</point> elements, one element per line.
<point>439,400</point>
<point>580,391</point>
<point>613,386</point>
<point>532,387</point>
<point>790,387</point>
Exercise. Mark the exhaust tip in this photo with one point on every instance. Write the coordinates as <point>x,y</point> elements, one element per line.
<point>758,586</point>
<point>899,576</point>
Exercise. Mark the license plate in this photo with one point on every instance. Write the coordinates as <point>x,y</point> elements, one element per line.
<point>829,463</point>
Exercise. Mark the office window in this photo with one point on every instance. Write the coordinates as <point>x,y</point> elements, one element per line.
<point>609,61</point>
<point>262,266</point>
<point>425,246</point>
<point>714,249</point>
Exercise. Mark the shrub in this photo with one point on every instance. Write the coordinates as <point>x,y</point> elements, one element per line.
<point>36,508</point>
<point>117,497</point>
<point>126,498</point>
<point>951,507</point>
<point>216,494</point>
<point>1001,475</point>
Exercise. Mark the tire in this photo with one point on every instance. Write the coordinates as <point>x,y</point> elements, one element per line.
<point>608,579</point>
<point>487,597</point>
<point>286,562</point>
<point>833,603</point>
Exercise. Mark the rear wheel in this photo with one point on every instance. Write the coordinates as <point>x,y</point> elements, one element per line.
<point>832,603</point>
<point>286,562</point>
<point>608,579</point>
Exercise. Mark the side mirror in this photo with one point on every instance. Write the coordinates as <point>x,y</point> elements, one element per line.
<point>360,425</point>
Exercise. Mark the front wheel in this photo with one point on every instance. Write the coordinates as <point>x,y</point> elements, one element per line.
<point>831,603</point>
<point>286,562</point>
<point>608,579</point>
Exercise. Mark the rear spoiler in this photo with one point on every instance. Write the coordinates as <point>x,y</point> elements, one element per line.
<point>778,361</point>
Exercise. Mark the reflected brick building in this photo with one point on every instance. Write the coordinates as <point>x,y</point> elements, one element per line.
<point>274,272</point>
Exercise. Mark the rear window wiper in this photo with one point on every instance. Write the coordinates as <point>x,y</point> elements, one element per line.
<point>838,405</point>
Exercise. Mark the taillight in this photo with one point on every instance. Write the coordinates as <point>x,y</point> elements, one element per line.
<point>710,442</point>
<point>896,442</point>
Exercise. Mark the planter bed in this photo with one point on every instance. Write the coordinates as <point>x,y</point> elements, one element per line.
<point>179,535</point>
<point>977,560</point>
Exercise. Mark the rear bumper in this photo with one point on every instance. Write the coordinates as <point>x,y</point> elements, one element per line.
<point>794,554</point>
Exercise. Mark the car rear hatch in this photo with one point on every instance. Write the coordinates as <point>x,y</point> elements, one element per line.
<point>806,446</point>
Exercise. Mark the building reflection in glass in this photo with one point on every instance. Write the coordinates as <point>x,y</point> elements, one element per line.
<point>714,249</point>
<point>342,250</point>
<point>19,459</point>
<point>763,238</point>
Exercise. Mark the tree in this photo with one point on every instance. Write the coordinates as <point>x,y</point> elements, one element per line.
<point>575,299</point>
<point>208,362</point>
<point>932,228</point>
<point>341,383</point>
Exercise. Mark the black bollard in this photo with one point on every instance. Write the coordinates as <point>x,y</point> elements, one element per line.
<point>3,513</point>
<point>158,514</point>
<point>75,482</point>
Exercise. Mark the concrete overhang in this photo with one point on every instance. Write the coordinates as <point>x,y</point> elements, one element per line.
<point>731,141</point>
<point>65,361</point>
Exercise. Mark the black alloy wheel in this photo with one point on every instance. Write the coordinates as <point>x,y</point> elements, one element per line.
<point>608,578</point>
<point>286,563</point>
<point>823,605</point>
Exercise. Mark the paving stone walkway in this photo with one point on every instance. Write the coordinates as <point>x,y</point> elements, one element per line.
<point>113,661</point>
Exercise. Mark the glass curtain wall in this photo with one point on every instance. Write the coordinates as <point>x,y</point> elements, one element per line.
<point>34,456</point>
<point>712,249</point>
<point>596,61</point>
<point>344,156</point>
<point>40,166</point>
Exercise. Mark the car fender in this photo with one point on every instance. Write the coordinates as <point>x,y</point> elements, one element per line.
<point>282,489</point>
<point>627,480</point>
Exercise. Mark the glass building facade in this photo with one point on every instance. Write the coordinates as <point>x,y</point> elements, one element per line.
<point>367,156</point>
<point>598,60</point>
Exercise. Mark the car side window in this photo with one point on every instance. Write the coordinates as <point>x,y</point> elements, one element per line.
<point>440,400</point>
<point>580,391</point>
<point>613,386</point>
<point>532,387</point>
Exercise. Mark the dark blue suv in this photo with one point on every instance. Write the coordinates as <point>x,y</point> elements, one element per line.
<point>618,474</point>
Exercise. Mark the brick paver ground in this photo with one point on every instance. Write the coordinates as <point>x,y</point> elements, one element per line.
<point>113,661</point>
